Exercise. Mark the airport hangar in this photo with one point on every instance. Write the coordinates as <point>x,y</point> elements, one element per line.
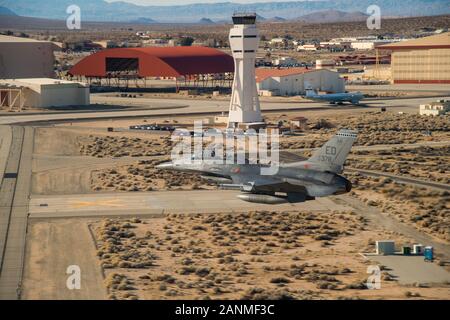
<point>26,58</point>
<point>42,93</point>
<point>295,81</point>
<point>195,66</point>
<point>27,77</point>
<point>423,60</point>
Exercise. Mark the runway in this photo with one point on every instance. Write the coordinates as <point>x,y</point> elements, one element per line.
<point>157,204</point>
<point>14,193</point>
<point>5,144</point>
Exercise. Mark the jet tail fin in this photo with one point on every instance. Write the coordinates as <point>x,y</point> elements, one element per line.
<point>332,156</point>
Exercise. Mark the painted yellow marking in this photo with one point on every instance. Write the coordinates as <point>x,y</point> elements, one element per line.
<point>104,203</point>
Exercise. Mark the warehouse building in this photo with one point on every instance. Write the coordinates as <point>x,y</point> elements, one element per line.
<point>368,44</point>
<point>293,81</point>
<point>424,60</point>
<point>42,93</point>
<point>26,58</point>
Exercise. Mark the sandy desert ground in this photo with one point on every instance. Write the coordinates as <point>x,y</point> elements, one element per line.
<point>256,255</point>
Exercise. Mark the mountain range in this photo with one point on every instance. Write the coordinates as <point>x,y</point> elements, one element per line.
<point>333,16</point>
<point>6,12</point>
<point>100,10</point>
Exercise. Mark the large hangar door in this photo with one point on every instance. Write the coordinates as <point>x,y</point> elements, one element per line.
<point>128,66</point>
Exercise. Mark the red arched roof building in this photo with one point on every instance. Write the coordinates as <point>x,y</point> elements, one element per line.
<point>155,62</point>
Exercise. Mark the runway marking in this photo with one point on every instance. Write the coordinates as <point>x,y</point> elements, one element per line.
<point>116,203</point>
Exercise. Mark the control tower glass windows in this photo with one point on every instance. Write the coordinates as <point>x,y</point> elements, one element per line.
<point>244,19</point>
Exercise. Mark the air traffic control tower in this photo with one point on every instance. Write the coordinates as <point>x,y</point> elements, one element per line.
<point>244,105</point>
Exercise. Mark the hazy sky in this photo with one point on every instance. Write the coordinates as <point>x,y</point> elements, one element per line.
<point>180,2</point>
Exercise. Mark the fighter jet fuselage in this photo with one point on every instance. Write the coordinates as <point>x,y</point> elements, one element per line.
<point>318,176</point>
<point>298,179</point>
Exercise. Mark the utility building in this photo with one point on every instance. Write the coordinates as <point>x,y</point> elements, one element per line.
<point>294,81</point>
<point>244,40</point>
<point>437,108</point>
<point>26,58</point>
<point>385,247</point>
<point>424,60</point>
<point>42,93</point>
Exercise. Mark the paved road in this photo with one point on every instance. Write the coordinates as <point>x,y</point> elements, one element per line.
<point>98,108</point>
<point>14,195</point>
<point>200,108</point>
<point>8,186</point>
<point>5,144</point>
<point>205,106</point>
<point>402,179</point>
<point>156,204</point>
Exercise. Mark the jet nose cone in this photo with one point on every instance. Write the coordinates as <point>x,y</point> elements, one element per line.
<point>165,166</point>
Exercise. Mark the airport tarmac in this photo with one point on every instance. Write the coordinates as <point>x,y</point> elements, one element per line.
<point>5,144</point>
<point>412,269</point>
<point>61,244</point>
<point>157,204</point>
<point>202,108</point>
<point>14,193</point>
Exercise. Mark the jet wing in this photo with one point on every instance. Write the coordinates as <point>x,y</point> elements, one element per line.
<point>256,180</point>
<point>251,183</point>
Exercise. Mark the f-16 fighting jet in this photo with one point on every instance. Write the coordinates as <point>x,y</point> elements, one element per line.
<point>318,176</point>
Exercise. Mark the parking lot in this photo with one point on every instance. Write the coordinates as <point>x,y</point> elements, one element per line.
<point>412,269</point>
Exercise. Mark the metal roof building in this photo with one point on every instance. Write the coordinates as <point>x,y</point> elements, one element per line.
<point>154,62</point>
<point>26,58</point>
<point>42,93</point>
<point>423,60</point>
<point>295,81</point>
